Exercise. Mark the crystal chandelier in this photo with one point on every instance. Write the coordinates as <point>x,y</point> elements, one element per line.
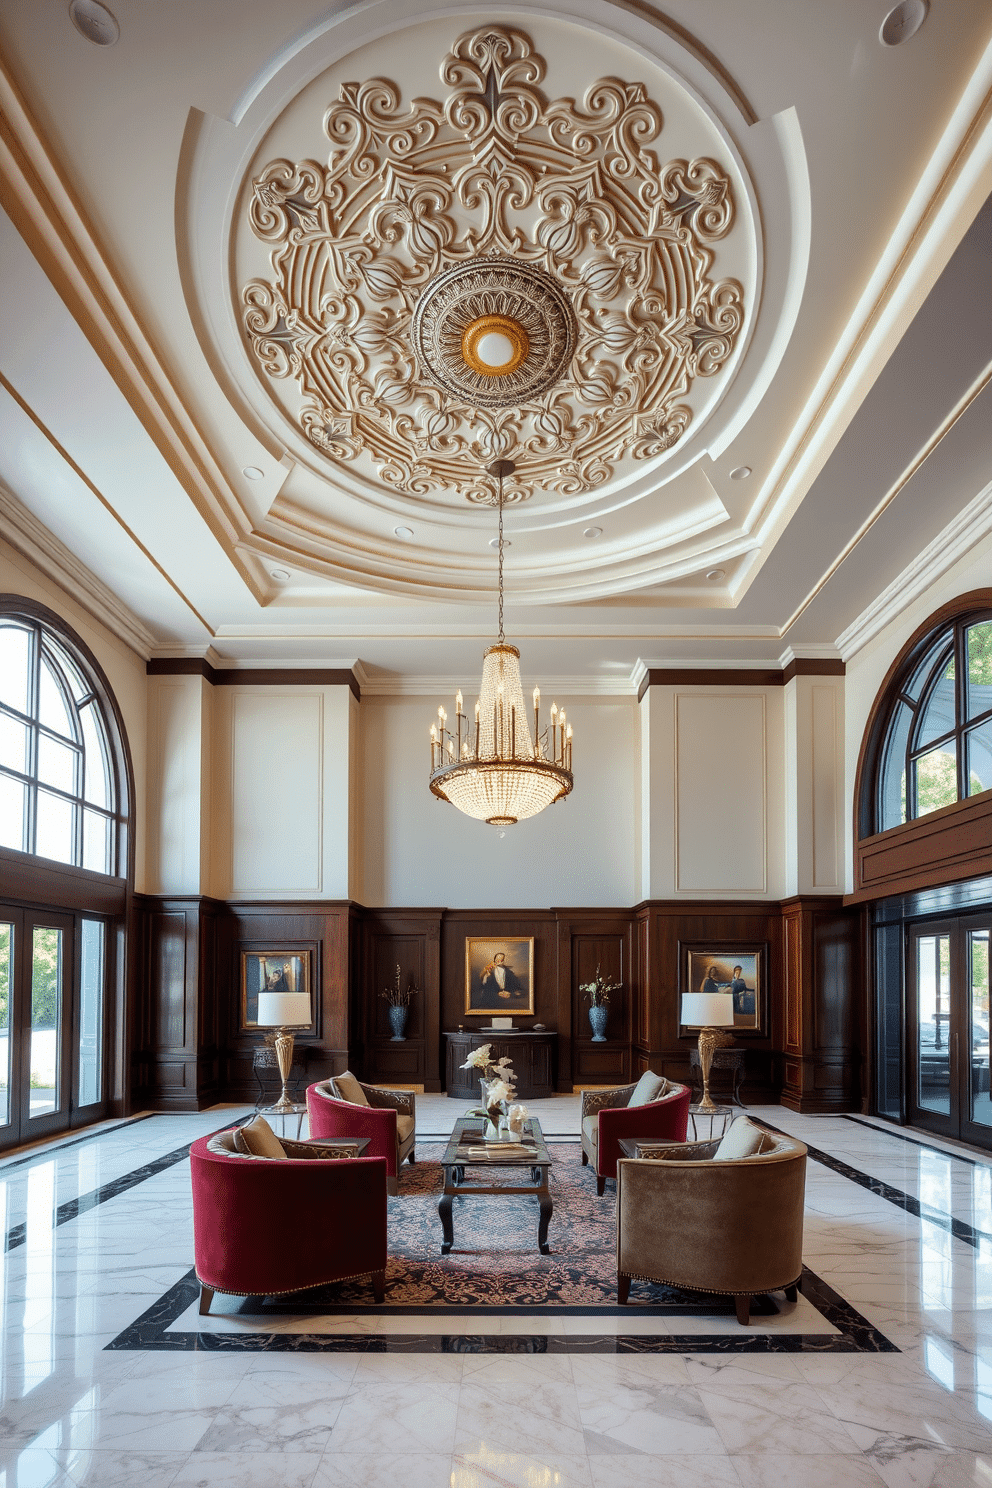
<point>495,770</point>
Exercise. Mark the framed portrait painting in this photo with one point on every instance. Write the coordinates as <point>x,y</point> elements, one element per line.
<point>499,975</point>
<point>273,971</point>
<point>737,969</point>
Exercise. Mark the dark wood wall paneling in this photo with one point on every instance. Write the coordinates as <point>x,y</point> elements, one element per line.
<point>192,1050</point>
<point>411,940</point>
<point>665,929</point>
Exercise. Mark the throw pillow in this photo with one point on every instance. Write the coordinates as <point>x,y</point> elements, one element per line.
<point>349,1089</point>
<point>742,1139</point>
<point>257,1139</point>
<point>648,1088</point>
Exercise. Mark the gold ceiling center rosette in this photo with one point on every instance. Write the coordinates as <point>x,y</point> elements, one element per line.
<point>497,295</point>
<point>495,345</point>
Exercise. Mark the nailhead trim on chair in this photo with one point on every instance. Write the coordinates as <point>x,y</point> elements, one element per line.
<point>314,1286</point>
<point>779,1286</point>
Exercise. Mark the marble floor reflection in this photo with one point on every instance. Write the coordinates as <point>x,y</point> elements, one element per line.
<point>97,1231</point>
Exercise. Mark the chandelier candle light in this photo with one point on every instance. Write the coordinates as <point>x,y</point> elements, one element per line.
<point>496,771</point>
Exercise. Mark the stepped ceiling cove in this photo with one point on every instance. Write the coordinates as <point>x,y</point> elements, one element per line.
<point>281,291</point>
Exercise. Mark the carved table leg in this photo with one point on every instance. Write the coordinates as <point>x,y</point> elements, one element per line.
<point>547,1208</point>
<point>444,1214</point>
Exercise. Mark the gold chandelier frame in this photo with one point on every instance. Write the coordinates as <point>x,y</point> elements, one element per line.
<point>496,771</point>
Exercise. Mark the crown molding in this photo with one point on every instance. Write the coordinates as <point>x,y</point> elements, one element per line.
<point>39,201</point>
<point>949,192</point>
<point>957,540</point>
<point>447,685</point>
<point>33,540</point>
<point>740,676</point>
<point>247,676</point>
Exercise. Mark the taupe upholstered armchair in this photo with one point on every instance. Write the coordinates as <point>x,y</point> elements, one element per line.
<point>730,1224</point>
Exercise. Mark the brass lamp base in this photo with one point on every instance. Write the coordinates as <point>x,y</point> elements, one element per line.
<point>710,1039</point>
<point>284,1058</point>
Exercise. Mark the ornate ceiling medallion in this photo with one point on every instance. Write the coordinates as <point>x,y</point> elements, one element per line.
<point>387,263</point>
<point>519,304</point>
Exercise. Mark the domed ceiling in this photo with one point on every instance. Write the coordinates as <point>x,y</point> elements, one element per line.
<point>536,243</point>
<point>281,286</point>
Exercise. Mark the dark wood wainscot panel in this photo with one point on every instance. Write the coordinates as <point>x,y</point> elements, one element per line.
<point>531,1054</point>
<point>327,931</point>
<point>665,932</point>
<point>176,1060</point>
<point>411,940</point>
<point>822,966</point>
<point>589,941</point>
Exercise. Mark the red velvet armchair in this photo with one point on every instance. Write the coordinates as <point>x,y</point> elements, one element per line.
<point>268,1226</point>
<point>388,1120</point>
<point>607,1116</point>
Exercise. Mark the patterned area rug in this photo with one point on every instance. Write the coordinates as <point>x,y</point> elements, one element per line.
<point>495,1262</point>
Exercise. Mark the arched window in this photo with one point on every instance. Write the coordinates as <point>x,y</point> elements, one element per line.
<point>936,726</point>
<point>60,792</point>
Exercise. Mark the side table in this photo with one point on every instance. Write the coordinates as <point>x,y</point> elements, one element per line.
<point>728,1059</point>
<point>719,1119</point>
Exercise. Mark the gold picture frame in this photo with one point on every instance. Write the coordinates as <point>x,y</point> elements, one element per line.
<point>274,971</point>
<point>729,966</point>
<point>499,975</point>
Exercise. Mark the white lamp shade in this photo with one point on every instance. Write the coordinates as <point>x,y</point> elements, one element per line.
<point>283,1009</point>
<point>706,1010</point>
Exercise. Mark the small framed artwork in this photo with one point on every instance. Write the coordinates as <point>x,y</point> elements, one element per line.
<point>499,975</point>
<point>273,971</point>
<point>740,970</point>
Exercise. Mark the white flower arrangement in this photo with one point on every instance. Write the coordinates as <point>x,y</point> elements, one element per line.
<point>498,1091</point>
<point>490,1069</point>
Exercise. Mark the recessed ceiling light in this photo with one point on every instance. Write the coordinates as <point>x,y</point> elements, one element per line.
<point>404,532</point>
<point>593,532</point>
<point>252,472</point>
<point>716,573</point>
<point>94,21</point>
<point>902,22</point>
<point>281,574</point>
<point>494,542</point>
<point>741,473</point>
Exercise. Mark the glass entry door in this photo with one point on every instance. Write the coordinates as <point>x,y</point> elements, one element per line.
<point>51,1022</point>
<point>948,1029</point>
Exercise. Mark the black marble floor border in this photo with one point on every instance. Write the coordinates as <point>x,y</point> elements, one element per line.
<point>17,1234</point>
<point>856,1335</point>
<point>959,1228</point>
<point>41,1154</point>
<point>893,1131</point>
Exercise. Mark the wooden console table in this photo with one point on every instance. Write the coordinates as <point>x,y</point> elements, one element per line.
<point>533,1056</point>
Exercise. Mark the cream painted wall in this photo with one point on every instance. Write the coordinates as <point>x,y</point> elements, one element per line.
<point>814,785</point>
<point>714,793</point>
<point>421,851</point>
<point>124,668</point>
<point>867,668</point>
<point>281,792</point>
<point>179,778</point>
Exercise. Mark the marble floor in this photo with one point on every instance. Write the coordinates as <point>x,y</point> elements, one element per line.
<point>98,1231</point>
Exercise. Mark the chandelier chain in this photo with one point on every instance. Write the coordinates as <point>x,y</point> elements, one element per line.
<point>500,479</point>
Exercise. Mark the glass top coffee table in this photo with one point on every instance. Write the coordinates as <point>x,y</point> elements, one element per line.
<point>467,1152</point>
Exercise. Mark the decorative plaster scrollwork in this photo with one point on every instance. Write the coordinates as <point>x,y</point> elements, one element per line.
<point>496,202</point>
